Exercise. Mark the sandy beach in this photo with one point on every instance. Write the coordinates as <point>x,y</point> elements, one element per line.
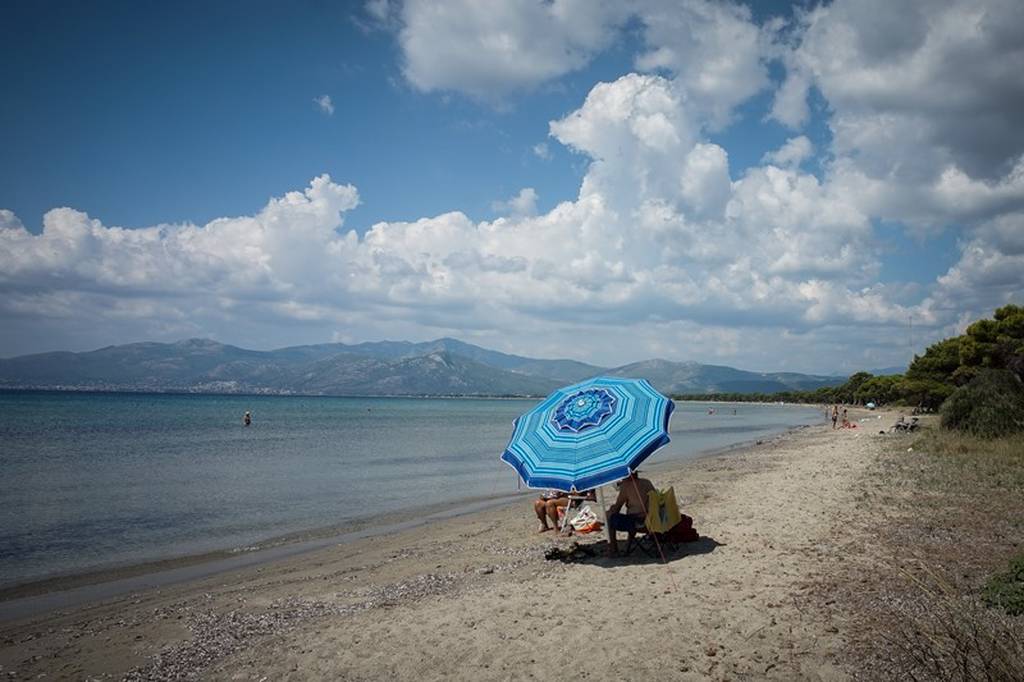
<point>474,596</point>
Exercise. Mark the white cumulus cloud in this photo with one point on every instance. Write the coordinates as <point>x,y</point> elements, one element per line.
<point>489,49</point>
<point>659,235</point>
<point>522,204</point>
<point>714,50</point>
<point>926,101</point>
<point>324,103</point>
<point>792,154</point>
<point>665,250</point>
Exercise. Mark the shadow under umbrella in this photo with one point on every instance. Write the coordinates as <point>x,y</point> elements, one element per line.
<point>596,553</point>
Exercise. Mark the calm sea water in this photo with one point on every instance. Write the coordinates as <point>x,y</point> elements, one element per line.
<point>96,480</point>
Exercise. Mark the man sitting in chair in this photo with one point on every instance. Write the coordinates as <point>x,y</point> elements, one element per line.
<point>633,494</point>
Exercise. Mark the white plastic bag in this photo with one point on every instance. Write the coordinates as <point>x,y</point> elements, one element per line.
<point>584,517</point>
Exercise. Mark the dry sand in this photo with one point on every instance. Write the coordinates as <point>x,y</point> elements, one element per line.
<point>474,597</point>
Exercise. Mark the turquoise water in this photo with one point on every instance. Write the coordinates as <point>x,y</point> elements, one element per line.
<point>96,480</point>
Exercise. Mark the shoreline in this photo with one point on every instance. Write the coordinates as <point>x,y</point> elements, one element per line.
<point>445,599</point>
<point>37,597</point>
<point>86,589</point>
<point>277,544</point>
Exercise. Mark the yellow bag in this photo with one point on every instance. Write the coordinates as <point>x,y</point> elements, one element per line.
<point>662,510</point>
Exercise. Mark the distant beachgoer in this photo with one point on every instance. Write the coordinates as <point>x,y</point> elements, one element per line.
<point>247,419</point>
<point>835,415</point>
<point>846,421</point>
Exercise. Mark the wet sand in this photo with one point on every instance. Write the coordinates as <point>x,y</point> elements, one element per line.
<point>473,596</point>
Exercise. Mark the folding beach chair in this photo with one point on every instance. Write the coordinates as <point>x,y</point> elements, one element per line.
<point>662,515</point>
<point>642,539</point>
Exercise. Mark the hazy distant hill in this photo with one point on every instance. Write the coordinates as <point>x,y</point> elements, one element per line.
<point>441,367</point>
<point>695,378</point>
<point>887,371</point>
<point>329,369</point>
<point>143,365</point>
<point>435,373</point>
<point>562,371</point>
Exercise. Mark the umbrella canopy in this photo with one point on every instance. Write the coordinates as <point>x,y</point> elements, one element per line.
<point>588,434</point>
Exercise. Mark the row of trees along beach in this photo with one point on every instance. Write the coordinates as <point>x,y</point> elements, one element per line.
<point>974,380</point>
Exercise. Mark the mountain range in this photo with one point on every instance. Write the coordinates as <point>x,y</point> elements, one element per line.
<point>442,367</point>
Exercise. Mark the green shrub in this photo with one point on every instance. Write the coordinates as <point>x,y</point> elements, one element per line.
<point>1006,590</point>
<point>991,405</point>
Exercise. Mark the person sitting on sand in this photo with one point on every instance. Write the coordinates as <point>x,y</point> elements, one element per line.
<point>633,495</point>
<point>547,505</point>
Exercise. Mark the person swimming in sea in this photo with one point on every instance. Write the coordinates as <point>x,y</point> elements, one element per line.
<point>247,419</point>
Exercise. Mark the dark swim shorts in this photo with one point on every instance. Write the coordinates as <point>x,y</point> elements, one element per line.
<point>625,522</point>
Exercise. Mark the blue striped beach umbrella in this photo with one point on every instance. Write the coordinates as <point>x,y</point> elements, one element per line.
<point>588,434</point>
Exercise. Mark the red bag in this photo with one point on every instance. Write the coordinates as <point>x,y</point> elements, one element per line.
<point>682,531</point>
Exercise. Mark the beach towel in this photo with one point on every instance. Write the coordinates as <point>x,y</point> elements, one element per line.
<point>662,510</point>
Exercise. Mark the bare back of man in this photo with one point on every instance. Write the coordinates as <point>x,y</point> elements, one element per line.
<point>633,496</point>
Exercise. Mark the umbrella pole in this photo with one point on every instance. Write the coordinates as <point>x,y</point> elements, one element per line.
<point>604,509</point>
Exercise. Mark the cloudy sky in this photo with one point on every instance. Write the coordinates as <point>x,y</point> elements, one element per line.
<point>804,187</point>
